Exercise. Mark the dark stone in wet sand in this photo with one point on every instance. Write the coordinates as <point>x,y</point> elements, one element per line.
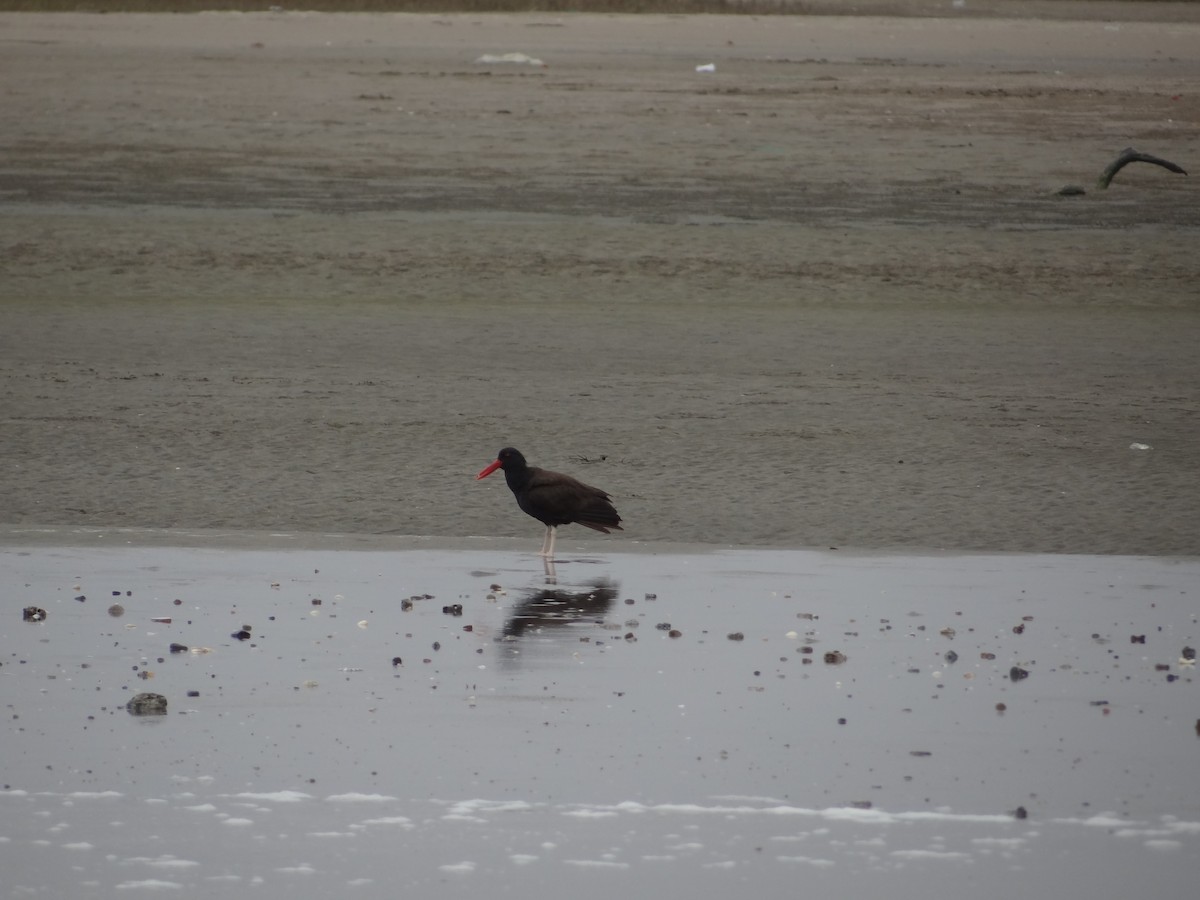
<point>1137,639</point>
<point>736,636</point>
<point>243,635</point>
<point>1021,813</point>
<point>663,626</point>
<point>397,661</point>
<point>1189,653</point>
<point>835,658</point>
<point>674,633</point>
<point>33,614</point>
<point>193,693</point>
<point>1016,673</point>
<point>116,610</point>
<point>454,609</point>
<point>147,705</point>
<point>178,648</point>
<point>951,657</point>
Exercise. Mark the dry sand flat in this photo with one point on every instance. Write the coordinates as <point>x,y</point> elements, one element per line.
<point>310,272</point>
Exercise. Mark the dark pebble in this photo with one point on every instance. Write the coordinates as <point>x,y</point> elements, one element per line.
<point>454,609</point>
<point>1001,707</point>
<point>652,596</point>
<point>1016,673</point>
<point>835,658</point>
<point>243,635</point>
<point>147,705</point>
<point>437,645</point>
<point>178,648</point>
<point>1189,653</point>
<point>663,626</point>
<point>630,636</point>
<point>406,605</point>
<point>986,655</point>
<point>736,636</point>
<point>860,804</point>
<point>468,628</point>
<point>951,657</point>
<point>81,598</point>
<point>1020,813</point>
<point>33,614</point>
<point>920,753</point>
<point>1018,629</point>
<point>674,633</point>
<point>1137,639</point>
<point>193,693</point>
<point>397,661</point>
<point>316,601</point>
<point>116,610</point>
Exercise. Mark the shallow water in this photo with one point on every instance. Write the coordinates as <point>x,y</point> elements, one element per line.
<point>553,739</point>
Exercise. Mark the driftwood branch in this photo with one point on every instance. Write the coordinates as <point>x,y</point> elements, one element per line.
<point>1127,156</point>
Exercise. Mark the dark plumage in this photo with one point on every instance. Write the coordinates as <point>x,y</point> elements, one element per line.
<point>554,498</point>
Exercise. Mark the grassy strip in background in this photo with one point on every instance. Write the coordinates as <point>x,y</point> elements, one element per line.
<point>1164,10</point>
<point>418,6</point>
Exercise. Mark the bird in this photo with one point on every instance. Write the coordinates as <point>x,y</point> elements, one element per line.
<point>554,498</point>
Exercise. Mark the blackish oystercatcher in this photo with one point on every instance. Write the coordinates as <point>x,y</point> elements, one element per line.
<point>554,498</point>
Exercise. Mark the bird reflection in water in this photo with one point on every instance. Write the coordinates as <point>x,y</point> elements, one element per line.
<point>561,607</point>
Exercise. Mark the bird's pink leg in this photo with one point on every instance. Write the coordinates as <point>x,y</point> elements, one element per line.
<point>548,544</point>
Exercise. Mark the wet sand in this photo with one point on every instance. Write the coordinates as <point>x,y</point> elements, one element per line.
<point>695,722</point>
<point>308,273</point>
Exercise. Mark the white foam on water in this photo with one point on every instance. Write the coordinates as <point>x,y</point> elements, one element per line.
<point>302,869</point>
<point>930,854</point>
<point>460,868</point>
<point>149,884</point>
<point>808,861</point>
<point>275,796</point>
<point>359,798</point>
<point>166,861</point>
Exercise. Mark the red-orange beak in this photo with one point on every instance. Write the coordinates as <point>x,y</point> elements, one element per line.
<point>492,467</point>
